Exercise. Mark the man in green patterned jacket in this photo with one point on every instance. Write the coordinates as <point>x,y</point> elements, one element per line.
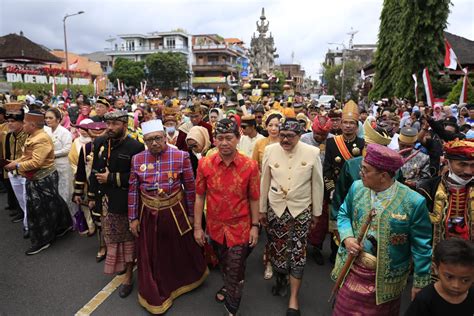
<point>400,233</point>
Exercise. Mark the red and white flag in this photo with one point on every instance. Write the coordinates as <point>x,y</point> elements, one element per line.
<point>123,88</point>
<point>74,64</point>
<point>428,88</point>
<point>450,59</point>
<point>416,86</point>
<point>54,86</point>
<point>118,85</point>
<point>463,96</point>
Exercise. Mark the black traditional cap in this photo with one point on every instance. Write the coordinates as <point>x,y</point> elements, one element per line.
<point>225,126</point>
<point>408,135</point>
<point>259,109</point>
<point>117,115</point>
<point>291,124</point>
<point>103,101</point>
<point>14,111</point>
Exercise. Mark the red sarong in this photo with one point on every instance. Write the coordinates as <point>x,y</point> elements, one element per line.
<point>356,297</point>
<point>170,262</point>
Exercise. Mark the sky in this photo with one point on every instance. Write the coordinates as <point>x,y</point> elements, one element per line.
<point>304,28</point>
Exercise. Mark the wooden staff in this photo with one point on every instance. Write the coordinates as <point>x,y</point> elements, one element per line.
<point>350,257</point>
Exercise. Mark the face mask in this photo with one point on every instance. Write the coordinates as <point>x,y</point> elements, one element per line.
<point>171,129</point>
<point>457,179</point>
<point>186,119</point>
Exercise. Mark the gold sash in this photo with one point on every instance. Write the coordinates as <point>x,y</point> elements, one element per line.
<point>172,203</point>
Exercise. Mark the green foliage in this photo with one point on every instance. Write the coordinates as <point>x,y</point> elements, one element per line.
<point>128,71</point>
<point>453,96</point>
<point>278,87</point>
<point>44,88</point>
<point>332,77</point>
<point>410,38</point>
<point>167,70</point>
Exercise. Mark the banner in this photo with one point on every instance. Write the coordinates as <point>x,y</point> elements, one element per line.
<point>428,88</point>
<point>18,77</point>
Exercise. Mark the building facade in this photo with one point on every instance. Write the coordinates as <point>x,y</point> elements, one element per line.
<point>138,46</point>
<point>217,63</point>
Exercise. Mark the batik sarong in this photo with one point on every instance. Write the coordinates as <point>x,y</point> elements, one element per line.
<point>232,263</point>
<point>119,241</point>
<point>48,213</point>
<point>288,240</point>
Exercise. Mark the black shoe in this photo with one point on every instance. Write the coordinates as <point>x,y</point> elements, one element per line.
<point>281,286</point>
<point>318,256</point>
<point>64,232</point>
<point>99,258</point>
<point>292,312</point>
<point>125,290</point>
<point>18,218</point>
<point>36,249</point>
<point>26,234</point>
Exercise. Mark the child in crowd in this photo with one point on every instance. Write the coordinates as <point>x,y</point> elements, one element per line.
<point>453,294</point>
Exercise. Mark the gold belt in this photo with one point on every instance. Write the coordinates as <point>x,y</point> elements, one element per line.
<point>158,203</point>
<point>367,260</point>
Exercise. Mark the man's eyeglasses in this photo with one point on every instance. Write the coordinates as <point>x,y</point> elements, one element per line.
<point>156,139</point>
<point>288,136</point>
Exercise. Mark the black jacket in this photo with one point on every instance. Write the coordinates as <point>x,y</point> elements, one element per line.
<point>119,164</point>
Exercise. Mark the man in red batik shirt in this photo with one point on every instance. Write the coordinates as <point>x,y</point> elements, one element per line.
<point>231,184</point>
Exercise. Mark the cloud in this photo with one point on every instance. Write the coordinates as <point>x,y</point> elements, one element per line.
<point>302,27</point>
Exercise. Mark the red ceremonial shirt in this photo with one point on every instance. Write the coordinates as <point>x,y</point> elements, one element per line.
<point>228,191</point>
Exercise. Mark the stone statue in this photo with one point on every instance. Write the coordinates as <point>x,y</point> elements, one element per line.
<point>262,50</point>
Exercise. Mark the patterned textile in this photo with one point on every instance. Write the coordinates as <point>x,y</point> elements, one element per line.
<point>228,190</point>
<point>118,254</point>
<point>48,213</point>
<point>119,241</point>
<point>116,228</point>
<point>168,171</point>
<point>232,263</point>
<point>403,236</point>
<point>288,240</point>
<point>417,168</point>
<point>357,296</point>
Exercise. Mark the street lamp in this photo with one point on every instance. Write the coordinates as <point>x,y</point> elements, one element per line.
<point>65,44</point>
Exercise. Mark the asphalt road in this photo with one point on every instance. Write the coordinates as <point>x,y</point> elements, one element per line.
<point>61,279</point>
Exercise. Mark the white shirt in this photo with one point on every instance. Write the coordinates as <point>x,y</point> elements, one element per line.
<point>394,143</point>
<point>62,140</point>
<point>246,144</point>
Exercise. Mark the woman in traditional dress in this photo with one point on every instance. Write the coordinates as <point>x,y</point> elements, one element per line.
<point>62,141</point>
<point>272,122</point>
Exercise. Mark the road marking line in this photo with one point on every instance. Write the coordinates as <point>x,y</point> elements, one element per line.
<point>100,297</point>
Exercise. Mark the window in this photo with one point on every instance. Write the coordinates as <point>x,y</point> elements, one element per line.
<point>170,42</point>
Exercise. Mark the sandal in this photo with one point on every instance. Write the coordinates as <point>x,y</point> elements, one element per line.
<point>222,292</point>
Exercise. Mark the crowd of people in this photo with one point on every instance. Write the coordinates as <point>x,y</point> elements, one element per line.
<point>180,186</point>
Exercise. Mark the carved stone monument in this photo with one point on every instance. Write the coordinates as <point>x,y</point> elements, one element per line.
<point>262,50</point>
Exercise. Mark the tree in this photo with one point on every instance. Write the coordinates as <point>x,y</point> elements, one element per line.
<point>333,80</point>
<point>129,71</point>
<point>167,70</point>
<point>411,37</point>
<point>453,96</point>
